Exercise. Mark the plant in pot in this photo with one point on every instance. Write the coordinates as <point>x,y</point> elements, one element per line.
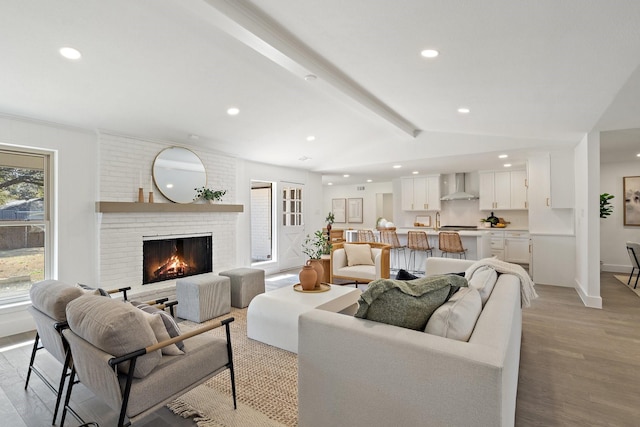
<point>314,246</point>
<point>329,220</point>
<point>209,195</point>
<point>606,208</point>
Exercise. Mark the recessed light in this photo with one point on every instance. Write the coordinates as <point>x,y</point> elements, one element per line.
<point>507,165</point>
<point>70,53</point>
<point>331,183</point>
<point>503,156</point>
<point>429,53</point>
<point>233,111</point>
<point>464,110</point>
<point>169,185</point>
<point>310,77</point>
<point>311,138</point>
<point>638,155</point>
<point>397,166</point>
<point>346,175</point>
<point>415,172</point>
<point>369,180</point>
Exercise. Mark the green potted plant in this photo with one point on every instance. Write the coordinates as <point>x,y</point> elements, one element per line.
<point>210,195</point>
<point>314,247</point>
<point>606,208</point>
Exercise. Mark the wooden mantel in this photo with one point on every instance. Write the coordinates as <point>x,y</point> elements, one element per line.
<point>133,207</point>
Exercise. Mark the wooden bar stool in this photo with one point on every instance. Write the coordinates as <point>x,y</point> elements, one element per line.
<point>366,236</point>
<point>450,243</point>
<point>418,241</point>
<point>390,237</point>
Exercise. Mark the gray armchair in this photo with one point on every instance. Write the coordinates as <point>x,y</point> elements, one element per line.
<point>49,299</point>
<point>117,356</point>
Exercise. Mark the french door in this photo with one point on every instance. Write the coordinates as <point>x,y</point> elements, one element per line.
<point>291,225</point>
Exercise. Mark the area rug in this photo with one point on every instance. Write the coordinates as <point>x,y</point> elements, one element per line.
<point>624,280</point>
<point>266,384</point>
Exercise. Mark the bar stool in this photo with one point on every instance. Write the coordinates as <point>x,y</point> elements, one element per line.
<point>450,243</point>
<point>390,237</point>
<point>418,241</point>
<point>366,236</point>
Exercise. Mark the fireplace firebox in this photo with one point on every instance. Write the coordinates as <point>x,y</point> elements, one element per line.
<point>171,257</point>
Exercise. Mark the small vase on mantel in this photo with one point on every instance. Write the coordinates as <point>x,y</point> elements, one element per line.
<point>308,277</point>
<point>317,266</point>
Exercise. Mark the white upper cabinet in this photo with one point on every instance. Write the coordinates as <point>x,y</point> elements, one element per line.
<point>502,190</point>
<point>421,193</point>
<point>519,190</point>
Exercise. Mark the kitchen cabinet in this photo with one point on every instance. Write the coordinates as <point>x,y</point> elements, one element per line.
<point>497,244</point>
<point>421,193</point>
<point>516,247</point>
<point>510,246</point>
<point>503,190</point>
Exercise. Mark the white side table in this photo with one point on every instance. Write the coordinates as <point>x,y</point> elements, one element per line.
<point>272,317</point>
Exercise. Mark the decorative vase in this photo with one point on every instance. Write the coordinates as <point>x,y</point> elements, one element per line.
<point>308,277</point>
<point>317,266</point>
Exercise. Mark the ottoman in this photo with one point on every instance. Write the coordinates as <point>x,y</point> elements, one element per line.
<point>203,297</point>
<point>246,283</point>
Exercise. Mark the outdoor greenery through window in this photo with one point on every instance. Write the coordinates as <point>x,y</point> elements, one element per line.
<point>23,223</point>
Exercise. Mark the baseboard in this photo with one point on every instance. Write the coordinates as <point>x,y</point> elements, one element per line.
<point>616,268</point>
<point>588,301</point>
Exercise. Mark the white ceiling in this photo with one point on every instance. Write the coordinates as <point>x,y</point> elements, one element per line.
<point>534,74</point>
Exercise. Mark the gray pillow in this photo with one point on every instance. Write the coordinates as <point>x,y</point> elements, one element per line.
<point>52,296</point>
<point>170,323</point>
<point>407,304</point>
<point>114,327</point>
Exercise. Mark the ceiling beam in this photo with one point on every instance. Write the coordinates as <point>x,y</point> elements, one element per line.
<point>261,33</point>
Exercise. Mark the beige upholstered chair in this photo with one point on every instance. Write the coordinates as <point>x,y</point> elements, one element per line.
<point>49,299</point>
<point>390,237</point>
<point>634,255</point>
<point>417,241</point>
<point>366,236</point>
<point>450,243</point>
<point>117,356</point>
<point>360,273</point>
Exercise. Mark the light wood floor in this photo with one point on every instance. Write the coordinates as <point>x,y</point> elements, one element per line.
<point>579,367</point>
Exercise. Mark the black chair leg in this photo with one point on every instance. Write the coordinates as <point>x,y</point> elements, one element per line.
<point>630,276</point>
<point>63,376</point>
<point>33,357</point>
<point>230,365</point>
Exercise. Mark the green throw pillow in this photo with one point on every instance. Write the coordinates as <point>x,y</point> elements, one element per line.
<point>407,304</point>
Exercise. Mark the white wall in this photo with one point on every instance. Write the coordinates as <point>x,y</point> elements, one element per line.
<point>75,168</point>
<point>587,212</point>
<point>613,233</point>
<point>369,201</point>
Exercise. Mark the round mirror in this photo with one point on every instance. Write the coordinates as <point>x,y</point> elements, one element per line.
<point>177,172</point>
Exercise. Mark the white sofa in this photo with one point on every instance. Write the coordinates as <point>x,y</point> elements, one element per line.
<point>357,372</point>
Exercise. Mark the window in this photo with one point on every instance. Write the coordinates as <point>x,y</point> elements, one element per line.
<point>292,206</point>
<point>24,222</point>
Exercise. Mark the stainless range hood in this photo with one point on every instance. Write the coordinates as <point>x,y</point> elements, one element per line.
<point>456,187</point>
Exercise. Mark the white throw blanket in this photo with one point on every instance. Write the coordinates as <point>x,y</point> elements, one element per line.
<point>527,290</point>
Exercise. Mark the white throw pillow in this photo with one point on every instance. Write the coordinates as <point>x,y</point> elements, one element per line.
<point>359,254</point>
<point>457,317</point>
<point>483,279</point>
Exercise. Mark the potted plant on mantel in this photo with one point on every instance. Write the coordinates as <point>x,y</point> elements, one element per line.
<point>209,195</point>
<point>313,247</point>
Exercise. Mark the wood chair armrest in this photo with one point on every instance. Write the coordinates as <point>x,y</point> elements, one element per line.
<point>116,360</point>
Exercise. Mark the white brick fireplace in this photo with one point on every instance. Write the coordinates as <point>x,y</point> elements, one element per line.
<point>123,160</point>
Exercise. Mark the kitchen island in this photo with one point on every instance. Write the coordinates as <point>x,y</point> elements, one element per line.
<point>476,242</point>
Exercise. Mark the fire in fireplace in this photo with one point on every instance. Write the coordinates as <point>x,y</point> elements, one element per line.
<point>169,257</point>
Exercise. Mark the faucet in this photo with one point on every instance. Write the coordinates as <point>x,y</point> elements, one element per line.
<point>437,225</point>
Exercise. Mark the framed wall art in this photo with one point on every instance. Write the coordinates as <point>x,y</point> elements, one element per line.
<point>631,200</point>
<point>339,210</point>
<point>355,210</point>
